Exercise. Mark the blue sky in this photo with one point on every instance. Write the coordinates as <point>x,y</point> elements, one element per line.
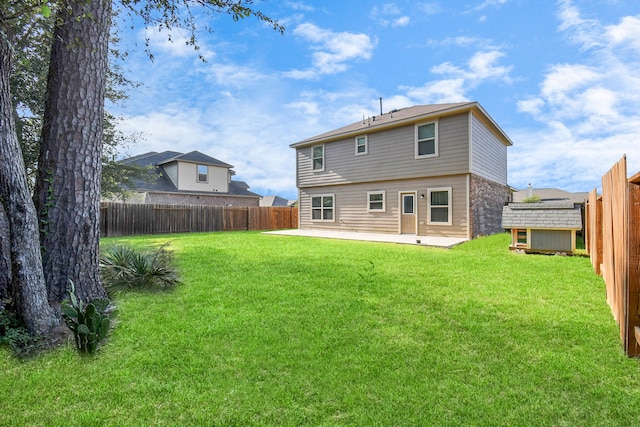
<point>560,77</point>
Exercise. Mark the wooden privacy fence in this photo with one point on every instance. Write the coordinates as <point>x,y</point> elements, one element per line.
<point>124,219</point>
<point>613,244</point>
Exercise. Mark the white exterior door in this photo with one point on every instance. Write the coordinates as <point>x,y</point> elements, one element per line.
<point>408,213</point>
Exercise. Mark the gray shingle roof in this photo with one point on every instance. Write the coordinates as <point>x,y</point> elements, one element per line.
<point>562,214</point>
<point>153,158</point>
<point>164,184</point>
<point>198,157</point>
<point>550,194</point>
<point>401,117</point>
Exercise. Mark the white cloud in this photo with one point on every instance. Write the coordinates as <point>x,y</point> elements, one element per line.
<point>431,8</point>
<point>437,92</point>
<point>458,81</point>
<point>295,5</point>
<point>389,14</point>
<point>588,109</point>
<point>333,51</point>
<point>625,34</point>
<point>489,3</point>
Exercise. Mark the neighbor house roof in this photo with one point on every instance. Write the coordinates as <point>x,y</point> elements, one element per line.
<point>550,194</point>
<point>163,183</point>
<point>562,214</point>
<point>404,116</point>
<point>153,158</point>
<point>274,201</point>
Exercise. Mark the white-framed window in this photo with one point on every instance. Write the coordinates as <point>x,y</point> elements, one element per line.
<point>317,157</point>
<point>322,207</point>
<point>426,140</point>
<point>203,173</point>
<point>439,206</point>
<point>361,145</point>
<point>376,201</point>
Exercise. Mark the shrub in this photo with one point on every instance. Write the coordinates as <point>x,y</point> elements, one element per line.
<point>532,199</point>
<point>89,323</point>
<point>124,269</point>
<point>12,332</point>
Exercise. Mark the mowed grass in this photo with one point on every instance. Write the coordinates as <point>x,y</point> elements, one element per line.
<point>279,330</point>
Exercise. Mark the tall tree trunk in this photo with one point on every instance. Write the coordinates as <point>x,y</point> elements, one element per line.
<point>69,167</point>
<point>27,289</point>
<point>5,257</point>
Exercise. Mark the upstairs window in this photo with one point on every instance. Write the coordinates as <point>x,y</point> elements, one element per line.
<point>375,201</point>
<point>426,140</point>
<point>203,173</point>
<point>322,207</point>
<point>439,206</point>
<point>317,157</point>
<point>361,145</point>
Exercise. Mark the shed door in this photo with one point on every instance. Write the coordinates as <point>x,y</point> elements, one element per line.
<point>408,213</point>
<point>551,240</point>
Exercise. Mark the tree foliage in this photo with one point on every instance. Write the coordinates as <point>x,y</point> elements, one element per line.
<point>69,152</point>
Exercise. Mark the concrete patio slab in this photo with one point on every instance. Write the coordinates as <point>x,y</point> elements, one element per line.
<point>434,241</point>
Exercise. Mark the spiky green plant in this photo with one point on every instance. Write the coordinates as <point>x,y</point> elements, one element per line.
<point>126,269</point>
<point>89,323</point>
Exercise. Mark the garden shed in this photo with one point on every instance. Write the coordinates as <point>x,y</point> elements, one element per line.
<point>543,227</point>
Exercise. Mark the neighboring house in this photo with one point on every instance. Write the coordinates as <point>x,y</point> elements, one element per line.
<point>189,179</point>
<point>544,227</point>
<point>275,201</point>
<point>550,194</point>
<point>427,170</point>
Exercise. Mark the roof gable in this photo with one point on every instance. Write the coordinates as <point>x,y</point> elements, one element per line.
<point>401,117</point>
<point>197,157</point>
<point>153,158</point>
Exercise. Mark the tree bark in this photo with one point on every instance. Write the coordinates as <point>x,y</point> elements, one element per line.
<point>28,290</point>
<point>69,167</point>
<point>5,257</point>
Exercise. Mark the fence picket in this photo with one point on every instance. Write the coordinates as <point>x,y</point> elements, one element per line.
<point>613,244</point>
<point>125,219</point>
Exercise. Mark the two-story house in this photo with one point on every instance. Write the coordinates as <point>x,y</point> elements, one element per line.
<point>189,179</point>
<point>427,170</point>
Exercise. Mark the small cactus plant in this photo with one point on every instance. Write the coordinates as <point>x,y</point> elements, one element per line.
<point>88,323</point>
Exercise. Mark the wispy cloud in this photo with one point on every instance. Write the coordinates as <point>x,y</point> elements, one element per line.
<point>489,3</point>
<point>332,51</point>
<point>589,108</point>
<point>457,80</point>
<point>389,15</point>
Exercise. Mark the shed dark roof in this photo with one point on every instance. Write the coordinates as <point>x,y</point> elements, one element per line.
<point>562,214</point>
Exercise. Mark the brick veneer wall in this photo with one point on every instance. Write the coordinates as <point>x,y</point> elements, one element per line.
<point>486,200</point>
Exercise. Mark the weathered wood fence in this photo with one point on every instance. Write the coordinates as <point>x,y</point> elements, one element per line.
<point>124,219</point>
<point>613,244</point>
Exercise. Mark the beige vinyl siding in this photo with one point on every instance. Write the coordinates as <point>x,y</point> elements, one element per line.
<point>351,206</point>
<point>217,179</point>
<point>488,153</point>
<point>390,156</point>
<point>172,172</point>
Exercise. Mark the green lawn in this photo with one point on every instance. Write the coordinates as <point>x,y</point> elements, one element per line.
<point>280,330</point>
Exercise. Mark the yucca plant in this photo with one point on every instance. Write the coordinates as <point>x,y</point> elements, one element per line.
<point>125,269</point>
